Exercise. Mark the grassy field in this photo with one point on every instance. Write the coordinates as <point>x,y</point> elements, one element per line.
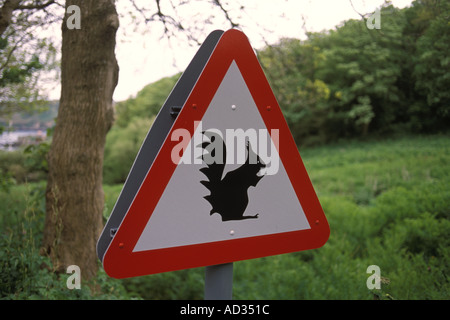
<point>387,203</point>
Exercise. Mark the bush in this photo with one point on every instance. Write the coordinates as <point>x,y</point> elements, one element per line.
<point>24,273</point>
<point>12,168</point>
<point>28,165</point>
<point>122,146</point>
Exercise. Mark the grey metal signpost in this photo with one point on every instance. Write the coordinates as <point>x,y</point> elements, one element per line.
<point>219,282</point>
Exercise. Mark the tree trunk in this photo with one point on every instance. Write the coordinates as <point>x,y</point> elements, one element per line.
<point>74,195</point>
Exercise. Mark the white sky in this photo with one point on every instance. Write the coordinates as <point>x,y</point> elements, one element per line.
<point>146,58</point>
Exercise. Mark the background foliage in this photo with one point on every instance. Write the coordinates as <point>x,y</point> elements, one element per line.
<point>352,81</point>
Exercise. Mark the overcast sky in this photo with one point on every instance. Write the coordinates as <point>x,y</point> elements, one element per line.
<point>146,58</point>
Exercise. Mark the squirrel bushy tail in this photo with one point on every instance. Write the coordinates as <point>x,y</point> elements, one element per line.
<point>215,164</point>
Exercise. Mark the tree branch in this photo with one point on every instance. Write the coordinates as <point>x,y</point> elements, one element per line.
<point>363,17</point>
<point>6,11</point>
<point>35,6</point>
<point>227,16</point>
<point>8,57</point>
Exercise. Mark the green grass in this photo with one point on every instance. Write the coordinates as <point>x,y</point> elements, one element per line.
<point>362,171</point>
<point>387,203</point>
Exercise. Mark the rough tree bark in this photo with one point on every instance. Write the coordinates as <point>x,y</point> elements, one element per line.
<point>74,195</point>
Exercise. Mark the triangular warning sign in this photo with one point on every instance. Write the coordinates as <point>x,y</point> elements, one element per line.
<point>228,182</point>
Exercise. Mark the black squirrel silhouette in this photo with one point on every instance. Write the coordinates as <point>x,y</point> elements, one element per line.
<point>228,195</point>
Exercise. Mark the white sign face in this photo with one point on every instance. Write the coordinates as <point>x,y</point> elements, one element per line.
<point>183,216</point>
